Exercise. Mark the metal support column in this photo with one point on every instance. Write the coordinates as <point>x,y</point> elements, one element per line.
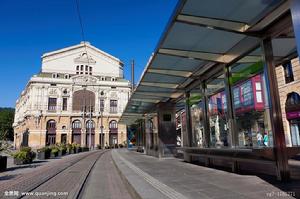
<point>232,131</point>
<point>295,11</point>
<point>275,111</point>
<point>189,132</point>
<point>205,117</point>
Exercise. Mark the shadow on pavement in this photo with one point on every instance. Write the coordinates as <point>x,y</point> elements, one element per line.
<point>292,187</point>
<point>7,177</point>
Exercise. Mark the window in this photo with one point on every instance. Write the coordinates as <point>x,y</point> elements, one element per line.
<point>113,106</point>
<point>113,124</point>
<point>86,68</point>
<point>90,124</point>
<point>55,75</point>
<point>51,124</point>
<point>77,68</point>
<point>293,99</point>
<point>52,104</point>
<point>76,124</point>
<point>167,117</point>
<point>81,67</point>
<point>65,104</point>
<point>101,105</point>
<point>288,72</point>
<point>67,76</point>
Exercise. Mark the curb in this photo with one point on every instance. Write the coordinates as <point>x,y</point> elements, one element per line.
<point>129,186</point>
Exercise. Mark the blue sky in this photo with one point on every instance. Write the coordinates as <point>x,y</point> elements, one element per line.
<point>127,29</point>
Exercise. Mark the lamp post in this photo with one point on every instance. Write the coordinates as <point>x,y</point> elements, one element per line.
<point>90,128</point>
<point>101,129</point>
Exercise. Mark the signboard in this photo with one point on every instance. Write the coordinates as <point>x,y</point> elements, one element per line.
<point>293,115</point>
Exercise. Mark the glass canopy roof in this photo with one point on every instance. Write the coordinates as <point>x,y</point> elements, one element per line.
<point>200,36</point>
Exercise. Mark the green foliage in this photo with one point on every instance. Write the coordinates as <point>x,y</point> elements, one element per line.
<point>25,149</point>
<point>62,147</point>
<point>44,149</point>
<point>3,147</point>
<point>54,149</point>
<point>25,154</point>
<point>6,121</point>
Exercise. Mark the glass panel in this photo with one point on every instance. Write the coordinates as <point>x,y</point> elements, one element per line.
<point>287,65</point>
<point>250,104</point>
<point>217,110</point>
<point>196,107</point>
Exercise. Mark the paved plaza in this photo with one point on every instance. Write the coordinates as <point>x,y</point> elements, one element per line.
<point>173,178</point>
<point>123,173</point>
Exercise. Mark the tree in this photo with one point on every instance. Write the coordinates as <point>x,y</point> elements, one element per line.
<point>6,121</point>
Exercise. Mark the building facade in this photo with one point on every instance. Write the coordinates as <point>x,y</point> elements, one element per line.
<point>288,78</point>
<point>78,97</point>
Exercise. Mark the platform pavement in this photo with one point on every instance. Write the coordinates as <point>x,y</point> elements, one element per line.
<point>173,178</point>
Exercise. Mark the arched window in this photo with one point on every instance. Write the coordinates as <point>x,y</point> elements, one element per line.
<point>113,124</point>
<point>90,124</point>
<point>83,100</point>
<point>293,99</point>
<point>76,124</point>
<point>51,124</point>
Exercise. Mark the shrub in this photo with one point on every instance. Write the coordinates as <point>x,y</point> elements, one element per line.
<point>62,148</point>
<point>98,146</point>
<point>44,149</point>
<point>24,156</point>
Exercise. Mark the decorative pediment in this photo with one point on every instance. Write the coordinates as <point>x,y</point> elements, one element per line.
<point>84,58</point>
<point>84,80</point>
<point>113,95</point>
<point>52,91</point>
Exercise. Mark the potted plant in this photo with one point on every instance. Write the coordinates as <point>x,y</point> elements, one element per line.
<point>62,149</point>
<point>3,159</point>
<point>43,153</point>
<point>77,148</point>
<point>70,149</point>
<point>54,151</point>
<point>83,149</point>
<point>24,156</point>
<point>98,146</point>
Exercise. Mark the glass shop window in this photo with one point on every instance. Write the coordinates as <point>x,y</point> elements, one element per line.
<point>250,103</point>
<point>217,112</point>
<point>196,107</point>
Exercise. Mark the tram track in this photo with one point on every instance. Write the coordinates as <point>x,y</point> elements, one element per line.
<point>66,177</point>
<point>69,180</point>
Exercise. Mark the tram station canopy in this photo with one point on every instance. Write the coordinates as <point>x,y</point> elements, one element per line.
<point>200,36</point>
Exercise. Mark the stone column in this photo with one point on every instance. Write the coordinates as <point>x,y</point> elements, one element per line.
<point>166,129</point>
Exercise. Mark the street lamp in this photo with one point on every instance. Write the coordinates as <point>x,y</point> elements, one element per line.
<point>89,124</point>
<point>101,121</point>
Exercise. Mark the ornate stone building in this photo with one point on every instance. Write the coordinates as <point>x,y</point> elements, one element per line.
<point>288,78</point>
<point>77,97</point>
